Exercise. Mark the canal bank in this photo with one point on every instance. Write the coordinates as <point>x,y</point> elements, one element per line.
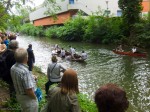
<point>101,67</point>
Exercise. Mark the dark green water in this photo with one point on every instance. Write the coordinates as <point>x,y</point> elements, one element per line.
<point>101,67</point>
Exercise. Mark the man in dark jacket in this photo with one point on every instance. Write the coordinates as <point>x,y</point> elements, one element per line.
<point>10,61</point>
<point>31,58</point>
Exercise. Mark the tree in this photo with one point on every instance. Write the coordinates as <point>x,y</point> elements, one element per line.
<point>13,19</point>
<point>131,10</point>
<point>3,18</point>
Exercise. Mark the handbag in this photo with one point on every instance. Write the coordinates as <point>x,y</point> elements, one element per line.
<point>38,94</point>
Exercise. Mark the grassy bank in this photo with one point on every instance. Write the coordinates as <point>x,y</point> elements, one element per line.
<point>86,104</point>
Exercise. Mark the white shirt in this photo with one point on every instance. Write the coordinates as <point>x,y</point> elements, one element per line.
<point>133,50</point>
<point>73,51</point>
<point>62,52</point>
<point>84,56</point>
<point>53,72</point>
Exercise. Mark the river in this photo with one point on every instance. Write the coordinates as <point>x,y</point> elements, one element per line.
<point>101,67</point>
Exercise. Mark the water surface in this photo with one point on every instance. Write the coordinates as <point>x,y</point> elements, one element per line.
<point>101,67</point>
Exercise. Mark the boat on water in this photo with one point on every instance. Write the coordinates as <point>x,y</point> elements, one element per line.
<point>77,57</point>
<point>129,53</point>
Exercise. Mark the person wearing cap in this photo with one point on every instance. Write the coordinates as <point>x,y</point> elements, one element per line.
<point>31,58</point>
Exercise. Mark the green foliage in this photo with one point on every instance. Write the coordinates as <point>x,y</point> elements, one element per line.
<point>32,30</point>
<point>131,10</point>
<point>14,23</point>
<point>86,104</point>
<point>142,34</point>
<point>102,29</point>
<point>52,32</point>
<point>13,105</point>
<point>3,18</point>
<point>73,30</point>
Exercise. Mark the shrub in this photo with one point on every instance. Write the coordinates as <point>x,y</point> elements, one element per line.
<point>73,30</point>
<point>29,29</point>
<point>52,32</point>
<point>102,29</point>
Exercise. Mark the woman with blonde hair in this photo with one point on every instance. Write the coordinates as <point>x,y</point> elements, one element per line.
<point>63,98</point>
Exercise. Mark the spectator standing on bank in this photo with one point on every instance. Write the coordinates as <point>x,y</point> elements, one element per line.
<point>53,73</point>
<point>31,58</point>
<point>10,61</point>
<point>23,82</point>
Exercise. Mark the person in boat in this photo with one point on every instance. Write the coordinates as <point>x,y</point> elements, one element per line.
<point>83,55</point>
<point>111,98</point>
<point>56,47</point>
<point>135,50</point>
<point>68,58</point>
<point>53,73</point>
<point>62,53</point>
<point>73,52</point>
<point>119,48</point>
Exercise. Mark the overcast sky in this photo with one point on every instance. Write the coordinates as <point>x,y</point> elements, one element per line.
<point>38,2</point>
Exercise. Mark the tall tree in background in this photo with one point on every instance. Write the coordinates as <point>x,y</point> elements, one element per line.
<point>131,10</point>
<point>15,17</point>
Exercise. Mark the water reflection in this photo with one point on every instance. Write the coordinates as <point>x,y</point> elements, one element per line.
<point>101,67</point>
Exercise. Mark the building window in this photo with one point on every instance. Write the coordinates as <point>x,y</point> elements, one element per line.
<point>107,12</point>
<point>119,13</point>
<point>71,1</point>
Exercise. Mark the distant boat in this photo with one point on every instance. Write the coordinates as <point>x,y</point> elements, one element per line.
<point>129,53</point>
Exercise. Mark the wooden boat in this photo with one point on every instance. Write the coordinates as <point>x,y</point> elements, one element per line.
<point>131,53</point>
<point>76,56</point>
<point>78,60</point>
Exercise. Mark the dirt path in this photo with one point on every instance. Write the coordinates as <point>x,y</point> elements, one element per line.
<point>4,95</point>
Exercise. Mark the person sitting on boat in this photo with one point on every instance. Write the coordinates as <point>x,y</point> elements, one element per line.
<point>56,47</point>
<point>68,58</point>
<point>73,52</point>
<point>119,48</point>
<point>70,49</point>
<point>83,55</point>
<point>135,50</point>
<point>63,52</point>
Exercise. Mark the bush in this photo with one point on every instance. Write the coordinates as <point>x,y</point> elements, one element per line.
<point>103,30</point>
<point>141,34</point>
<point>52,32</point>
<point>73,30</point>
<point>29,29</point>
